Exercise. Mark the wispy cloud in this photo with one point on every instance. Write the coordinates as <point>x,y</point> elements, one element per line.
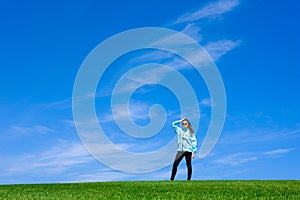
<point>61,157</point>
<point>294,132</point>
<point>255,128</point>
<point>212,10</point>
<point>61,104</point>
<point>255,135</point>
<point>215,49</point>
<point>219,48</point>
<point>205,102</point>
<point>246,157</point>
<point>237,159</point>
<point>193,31</point>
<point>277,152</point>
<point>138,111</point>
<point>252,140</point>
<point>29,130</point>
<point>67,103</point>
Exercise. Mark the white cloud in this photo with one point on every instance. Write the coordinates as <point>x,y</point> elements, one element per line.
<point>237,159</point>
<point>206,102</point>
<point>152,75</point>
<point>193,31</point>
<point>68,123</point>
<point>220,48</point>
<point>62,104</point>
<point>68,102</point>
<point>250,136</point>
<point>294,132</point>
<point>61,157</point>
<point>212,10</point>
<point>197,58</point>
<point>277,152</point>
<point>138,110</point>
<point>29,130</point>
<point>215,50</point>
<point>245,157</point>
<point>246,134</point>
<point>134,162</point>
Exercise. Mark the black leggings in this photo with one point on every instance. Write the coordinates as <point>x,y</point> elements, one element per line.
<point>188,159</point>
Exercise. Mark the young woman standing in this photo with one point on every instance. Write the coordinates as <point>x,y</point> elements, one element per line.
<point>186,146</point>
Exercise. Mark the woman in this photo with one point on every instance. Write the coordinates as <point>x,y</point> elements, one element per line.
<point>186,146</point>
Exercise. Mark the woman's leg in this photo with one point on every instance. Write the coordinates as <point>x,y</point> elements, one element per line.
<point>178,158</point>
<point>188,159</point>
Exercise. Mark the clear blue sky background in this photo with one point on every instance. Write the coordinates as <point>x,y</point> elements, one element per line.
<point>255,44</point>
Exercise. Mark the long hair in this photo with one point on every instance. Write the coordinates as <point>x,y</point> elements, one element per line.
<point>189,125</point>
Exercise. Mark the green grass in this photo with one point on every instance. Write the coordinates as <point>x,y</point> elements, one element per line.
<point>156,190</point>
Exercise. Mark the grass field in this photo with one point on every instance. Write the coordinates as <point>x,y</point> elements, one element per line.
<point>156,190</point>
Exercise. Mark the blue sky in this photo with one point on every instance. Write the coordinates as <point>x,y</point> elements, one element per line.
<point>255,45</point>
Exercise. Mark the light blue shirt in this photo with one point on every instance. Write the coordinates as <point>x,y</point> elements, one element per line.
<point>186,140</point>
